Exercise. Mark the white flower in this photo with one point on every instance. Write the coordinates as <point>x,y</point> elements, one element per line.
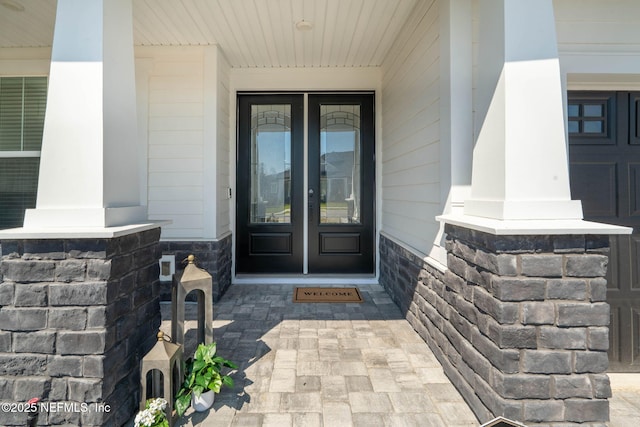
<point>147,417</point>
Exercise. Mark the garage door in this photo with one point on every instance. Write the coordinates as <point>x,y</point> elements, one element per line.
<point>604,148</point>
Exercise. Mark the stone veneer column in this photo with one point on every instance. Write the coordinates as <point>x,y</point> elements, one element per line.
<point>213,256</point>
<point>519,323</point>
<point>76,316</point>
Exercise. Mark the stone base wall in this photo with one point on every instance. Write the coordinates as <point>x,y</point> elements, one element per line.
<point>76,317</point>
<point>213,256</point>
<point>519,323</point>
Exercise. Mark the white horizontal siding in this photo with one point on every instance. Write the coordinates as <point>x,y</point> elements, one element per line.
<point>411,131</point>
<point>597,24</point>
<point>223,171</point>
<point>175,151</point>
<point>599,38</point>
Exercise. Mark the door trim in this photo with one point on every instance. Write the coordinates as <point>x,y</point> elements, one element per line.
<point>305,277</point>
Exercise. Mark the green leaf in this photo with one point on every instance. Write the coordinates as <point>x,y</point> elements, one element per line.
<point>197,390</point>
<point>198,365</point>
<point>228,381</point>
<point>183,403</point>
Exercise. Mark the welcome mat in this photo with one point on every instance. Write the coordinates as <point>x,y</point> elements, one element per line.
<point>327,295</point>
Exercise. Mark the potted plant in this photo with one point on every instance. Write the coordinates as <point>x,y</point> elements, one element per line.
<point>203,378</point>
<point>153,415</point>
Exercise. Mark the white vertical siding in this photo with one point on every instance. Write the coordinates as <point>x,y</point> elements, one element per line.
<point>411,131</point>
<point>175,129</point>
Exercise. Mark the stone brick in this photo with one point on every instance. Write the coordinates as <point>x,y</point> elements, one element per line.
<point>98,269</point>
<point>582,314</point>
<point>541,265</point>
<point>97,317</point>
<point>539,411</point>
<point>28,271</point>
<point>89,342</point>
<point>6,388</point>
<point>538,313</point>
<point>52,249</point>
<point>598,290</point>
<point>6,293</point>
<point>85,389</point>
<point>591,361</point>
<point>568,289</point>
<point>506,360</point>
<point>562,338</point>
<point>598,338</point>
<point>503,312</point>
<point>503,264</point>
<point>601,386</point>
<point>94,293</point>
<point>34,342</point>
<point>11,249</point>
<point>569,244</point>
<point>581,410</point>
<point>13,418</point>
<point>512,336</point>
<point>456,266</point>
<point>61,417</point>
<point>64,366</point>
<point>571,386</point>
<point>72,319</point>
<point>94,366</point>
<point>522,386</point>
<point>546,362</point>
<point>23,319</point>
<point>58,390</point>
<point>27,388</point>
<point>89,248</point>
<point>586,265</point>
<point>511,289</point>
<point>23,365</point>
<point>71,270</point>
<point>123,265</point>
<point>31,295</point>
<point>5,342</point>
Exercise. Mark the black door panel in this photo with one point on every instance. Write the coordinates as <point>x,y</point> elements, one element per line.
<point>604,150</point>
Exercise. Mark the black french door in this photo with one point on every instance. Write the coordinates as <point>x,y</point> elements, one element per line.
<point>322,224</point>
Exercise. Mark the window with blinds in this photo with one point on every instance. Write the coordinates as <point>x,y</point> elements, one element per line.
<point>22,105</point>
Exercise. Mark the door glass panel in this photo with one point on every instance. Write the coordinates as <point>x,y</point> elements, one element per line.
<point>340,164</point>
<point>271,163</point>
<point>593,126</point>
<point>574,110</point>
<point>593,110</point>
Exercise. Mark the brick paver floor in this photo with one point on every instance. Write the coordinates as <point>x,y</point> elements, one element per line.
<point>324,364</point>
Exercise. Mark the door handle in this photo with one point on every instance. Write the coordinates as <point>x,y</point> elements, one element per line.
<point>310,205</point>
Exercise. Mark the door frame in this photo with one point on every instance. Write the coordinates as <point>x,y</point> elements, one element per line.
<point>277,81</point>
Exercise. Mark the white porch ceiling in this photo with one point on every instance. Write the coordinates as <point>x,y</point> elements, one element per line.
<point>252,33</point>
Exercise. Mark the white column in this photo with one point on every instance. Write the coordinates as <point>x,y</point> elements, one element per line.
<point>520,169</point>
<point>520,173</point>
<point>456,111</point>
<point>89,163</point>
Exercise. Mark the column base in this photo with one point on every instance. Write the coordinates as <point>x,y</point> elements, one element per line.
<point>85,217</point>
<point>524,209</point>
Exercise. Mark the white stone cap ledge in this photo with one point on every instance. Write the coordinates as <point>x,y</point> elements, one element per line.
<point>532,226</point>
<point>78,232</point>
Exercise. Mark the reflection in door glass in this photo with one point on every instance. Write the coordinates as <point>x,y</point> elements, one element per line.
<point>271,163</point>
<point>339,164</point>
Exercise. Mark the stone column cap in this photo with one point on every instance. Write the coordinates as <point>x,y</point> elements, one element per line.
<point>532,227</point>
<point>78,232</point>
